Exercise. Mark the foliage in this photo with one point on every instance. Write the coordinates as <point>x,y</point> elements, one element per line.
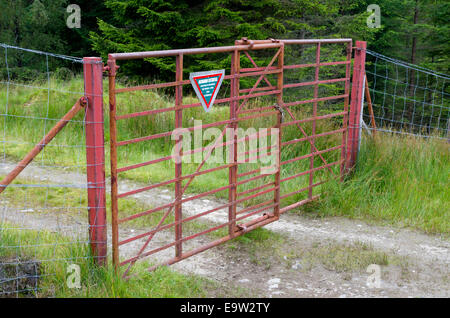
<point>398,180</point>
<point>431,31</point>
<point>416,31</point>
<point>145,25</point>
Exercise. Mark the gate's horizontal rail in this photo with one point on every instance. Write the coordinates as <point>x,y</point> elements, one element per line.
<point>296,41</point>
<point>257,150</point>
<point>312,154</point>
<point>192,51</point>
<point>259,89</point>
<point>327,133</point>
<point>215,124</point>
<point>164,183</point>
<point>329,81</point>
<point>258,156</point>
<point>258,170</point>
<point>266,205</point>
<point>294,122</point>
<point>169,205</point>
<point>212,229</point>
<point>217,101</point>
<point>168,109</point>
<point>252,178</point>
<point>314,41</point>
<point>190,152</point>
<point>297,204</point>
<point>257,69</point>
<point>313,100</point>
<point>187,82</point>
<point>259,189</point>
<point>186,176</point>
<point>311,170</point>
<point>259,109</point>
<point>190,218</point>
<point>244,174</point>
<point>266,219</point>
<point>284,196</point>
<point>238,194</point>
<point>295,66</point>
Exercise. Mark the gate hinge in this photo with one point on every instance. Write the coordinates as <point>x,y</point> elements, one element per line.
<point>281,110</point>
<point>349,50</point>
<point>108,69</point>
<point>247,41</point>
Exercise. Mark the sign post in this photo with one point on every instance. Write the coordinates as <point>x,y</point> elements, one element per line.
<point>206,85</point>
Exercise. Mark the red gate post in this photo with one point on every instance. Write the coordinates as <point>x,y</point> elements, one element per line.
<point>355,105</point>
<point>179,165</point>
<point>95,158</point>
<point>280,84</point>
<point>235,70</point>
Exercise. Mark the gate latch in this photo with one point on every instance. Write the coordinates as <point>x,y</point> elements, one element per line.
<point>281,110</point>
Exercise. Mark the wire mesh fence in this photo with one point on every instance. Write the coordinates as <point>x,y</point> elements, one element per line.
<point>44,227</point>
<point>44,212</point>
<point>406,98</point>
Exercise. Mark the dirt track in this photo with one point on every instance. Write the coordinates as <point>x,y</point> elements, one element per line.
<point>299,266</point>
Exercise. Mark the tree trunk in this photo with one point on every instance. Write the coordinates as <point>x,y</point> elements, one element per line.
<point>413,55</point>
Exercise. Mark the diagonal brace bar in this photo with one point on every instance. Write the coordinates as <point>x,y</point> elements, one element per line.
<point>79,105</point>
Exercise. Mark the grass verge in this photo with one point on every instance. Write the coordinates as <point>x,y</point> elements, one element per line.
<point>403,181</point>
<point>53,260</point>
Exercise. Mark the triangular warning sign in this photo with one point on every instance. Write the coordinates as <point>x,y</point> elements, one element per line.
<point>206,86</point>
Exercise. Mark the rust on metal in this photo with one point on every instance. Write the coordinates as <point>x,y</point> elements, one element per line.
<point>355,106</point>
<point>113,154</point>
<point>178,165</point>
<point>95,158</point>
<point>79,105</point>
<point>249,206</point>
<point>369,105</point>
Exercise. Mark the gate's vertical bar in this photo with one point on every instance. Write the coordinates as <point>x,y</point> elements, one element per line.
<point>113,153</point>
<point>95,158</point>
<point>280,76</point>
<point>313,129</point>
<point>355,105</point>
<point>346,99</point>
<point>232,172</point>
<point>178,164</point>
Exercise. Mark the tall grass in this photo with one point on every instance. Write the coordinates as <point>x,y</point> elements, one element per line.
<point>54,261</point>
<point>400,180</point>
<point>22,132</point>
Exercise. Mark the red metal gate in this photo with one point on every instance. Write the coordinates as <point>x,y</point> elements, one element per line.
<point>254,197</point>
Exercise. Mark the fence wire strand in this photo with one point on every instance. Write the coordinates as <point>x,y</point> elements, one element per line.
<point>44,212</point>
<point>406,99</point>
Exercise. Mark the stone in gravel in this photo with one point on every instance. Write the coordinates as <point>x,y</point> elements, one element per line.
<point>279,292</point>
<point>273,281</point>
<point>297,265</point>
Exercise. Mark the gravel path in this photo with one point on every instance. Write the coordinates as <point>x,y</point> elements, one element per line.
<point>423,269</point>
